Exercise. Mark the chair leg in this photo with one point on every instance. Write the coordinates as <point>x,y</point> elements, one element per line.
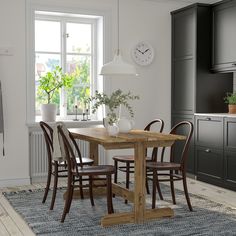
<point>48,183</point>
<point>91,190</point>
<point>81,187</point>
<point>68,199</point>
<point>71,196</point>
<point>186,191</point>
<point>147,187</point>
<point>172,187</point>
<point>159,188</point>
<point>54,187</point>
<point>116,173</point>
<point>109,195</point>
<point>127,177</point>
<point>154,183</point>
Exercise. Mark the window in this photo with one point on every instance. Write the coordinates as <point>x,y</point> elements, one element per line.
<point>72,42</point>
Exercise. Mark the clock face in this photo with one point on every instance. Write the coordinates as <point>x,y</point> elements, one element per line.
<point>143,53</point>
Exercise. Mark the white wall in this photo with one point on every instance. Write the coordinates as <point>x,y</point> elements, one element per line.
<point>139,20</point>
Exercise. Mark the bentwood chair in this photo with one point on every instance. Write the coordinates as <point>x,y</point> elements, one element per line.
<point>75,172</point>
<point>172,170</point>
<point>128,160</point>
<point>57,169</point>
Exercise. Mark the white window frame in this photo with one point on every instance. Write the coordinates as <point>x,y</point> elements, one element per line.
<point>103,50</point>
<point>63,20</point>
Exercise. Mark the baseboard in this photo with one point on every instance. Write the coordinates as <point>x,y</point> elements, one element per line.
<point>38,179</point>
<point>14,182</point>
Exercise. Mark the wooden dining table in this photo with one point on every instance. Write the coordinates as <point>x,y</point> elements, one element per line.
<point>138,140</point>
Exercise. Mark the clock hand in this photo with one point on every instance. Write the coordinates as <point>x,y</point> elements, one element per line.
<point>140,51</point>
<point>146,50</point>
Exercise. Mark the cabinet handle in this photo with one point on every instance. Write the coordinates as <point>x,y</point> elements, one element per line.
<point>207,150</point>
<point>208,118</point>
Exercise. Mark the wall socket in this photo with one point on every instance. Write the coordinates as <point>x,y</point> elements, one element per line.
<point>6,51</point>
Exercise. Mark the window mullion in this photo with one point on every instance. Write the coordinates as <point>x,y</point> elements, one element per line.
<point>63,100</point>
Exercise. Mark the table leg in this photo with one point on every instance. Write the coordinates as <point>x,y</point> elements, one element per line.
<point>93,152</point>
<point>139,182</point>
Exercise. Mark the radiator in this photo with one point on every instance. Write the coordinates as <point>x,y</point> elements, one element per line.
<point>38,155</point>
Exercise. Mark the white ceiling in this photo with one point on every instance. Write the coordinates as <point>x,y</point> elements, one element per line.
<point>187,1</point>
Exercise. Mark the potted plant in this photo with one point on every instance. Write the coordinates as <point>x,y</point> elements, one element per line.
<point>49,85</point>
<point>230,99</point>
<point>113,104</point>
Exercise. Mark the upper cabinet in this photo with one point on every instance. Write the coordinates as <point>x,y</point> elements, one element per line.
<point>194,87</point>
<point>224,36</point>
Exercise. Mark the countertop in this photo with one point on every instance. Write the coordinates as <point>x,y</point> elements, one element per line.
<point>216,114</point>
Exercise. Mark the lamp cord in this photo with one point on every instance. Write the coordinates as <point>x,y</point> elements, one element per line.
<point>118,24</point>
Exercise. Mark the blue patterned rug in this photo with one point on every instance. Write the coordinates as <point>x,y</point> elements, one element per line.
<point>208,218</point>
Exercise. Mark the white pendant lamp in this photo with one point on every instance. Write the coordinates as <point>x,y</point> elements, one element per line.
<point>118,66</point>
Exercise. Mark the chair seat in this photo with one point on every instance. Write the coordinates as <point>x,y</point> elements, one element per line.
<point>164,165</point>
<point>127,158</point>
<point>97,170</point>
<point>85,160</point>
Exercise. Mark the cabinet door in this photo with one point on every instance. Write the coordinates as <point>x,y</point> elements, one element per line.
<point>230,134</point>
<point>230,169</point>
<point>183,86</point>
<point>224,36</point>
<point>209,164</point>
<point>183,33</point>
<point>179,145</point>
<point>209,131</point>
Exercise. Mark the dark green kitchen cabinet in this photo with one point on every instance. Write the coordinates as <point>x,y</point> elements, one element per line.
<point>215,149</point>
<point>224,36</point>
<point>209,131</point>
<point>209,164</point>
<point>194,88</point>
<point>230,152</point>
<point>230,170</point>
<point>179,145</point>
<point>230,134</point>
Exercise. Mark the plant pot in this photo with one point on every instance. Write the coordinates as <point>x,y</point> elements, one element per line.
<point>112,130</point>
<point>232,109</point>
<point>48,112</point>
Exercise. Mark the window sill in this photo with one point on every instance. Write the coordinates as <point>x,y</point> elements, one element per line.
<point>69,123</point>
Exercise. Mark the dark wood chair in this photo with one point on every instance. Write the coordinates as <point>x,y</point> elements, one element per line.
<point>75,172</point>
<point>56,168</point>
<point>128,160</point>
<point>173,171</point>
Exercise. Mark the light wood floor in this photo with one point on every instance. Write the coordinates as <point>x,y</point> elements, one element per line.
<point>12,224</point>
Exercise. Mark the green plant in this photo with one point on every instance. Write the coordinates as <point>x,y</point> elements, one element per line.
<point>51,82</point>
<point>230,98</point>
<point>113,102</point>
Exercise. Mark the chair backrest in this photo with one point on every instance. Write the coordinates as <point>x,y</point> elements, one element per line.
<point>70,155</point>
<point>159,128</point>
<point>48,137</point>
<point>182,128</point>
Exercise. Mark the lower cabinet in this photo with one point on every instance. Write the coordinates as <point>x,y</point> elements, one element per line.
<point>215,150</point>
<point>179,146</point>
<point>209,164</point>
<point>230,170</point>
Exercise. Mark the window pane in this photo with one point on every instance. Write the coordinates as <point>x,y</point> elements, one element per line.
<point>78,38</point>
<point>79,66</point>
<point>43,64</point>
<point>47,36</point>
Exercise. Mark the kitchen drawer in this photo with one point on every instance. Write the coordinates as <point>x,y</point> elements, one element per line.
<point>230,169</point>
<point>209,131</point>
<point>209,164</point>
<point>230,134</point>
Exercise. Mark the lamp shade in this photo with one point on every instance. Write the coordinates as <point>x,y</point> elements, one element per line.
<point>118,67</point>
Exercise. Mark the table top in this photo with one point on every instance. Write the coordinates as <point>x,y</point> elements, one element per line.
<point>101,136</point>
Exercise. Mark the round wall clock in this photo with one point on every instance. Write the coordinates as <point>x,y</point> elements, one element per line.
<point>143,53</point>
